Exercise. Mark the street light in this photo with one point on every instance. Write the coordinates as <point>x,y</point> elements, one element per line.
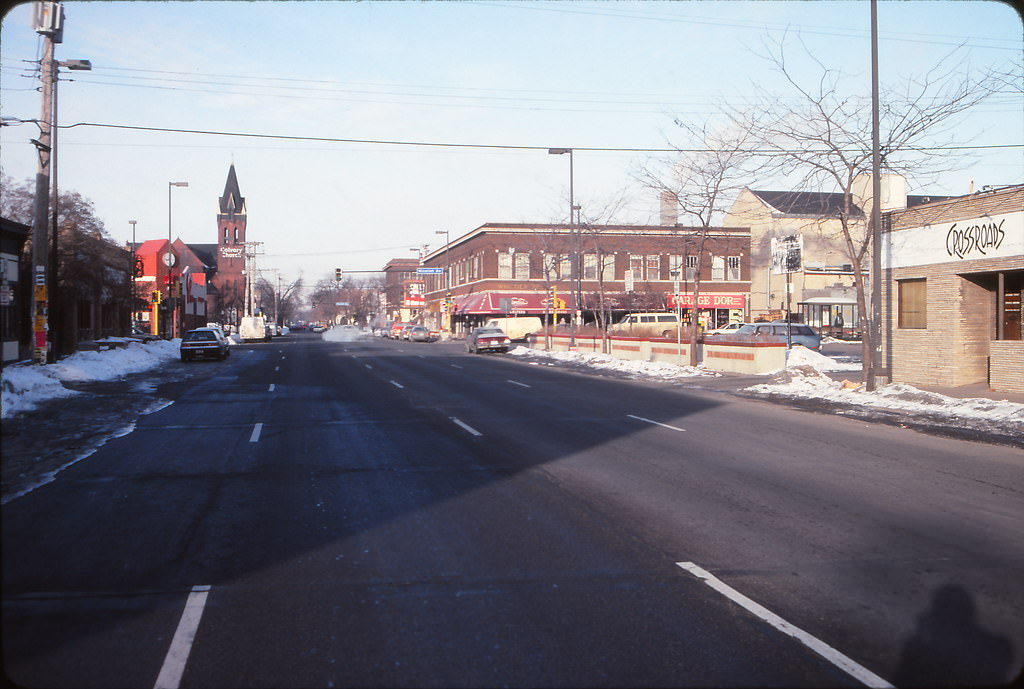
<point>572,229</point>
<point>447,280</point>
<point>170,259</point>
<point>134,259</point>
<point>56,319</point>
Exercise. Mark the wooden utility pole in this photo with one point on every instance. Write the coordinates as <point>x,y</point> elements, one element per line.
<point>49,23</point>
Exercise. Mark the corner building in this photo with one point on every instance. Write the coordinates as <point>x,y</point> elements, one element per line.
<point>952,283</point>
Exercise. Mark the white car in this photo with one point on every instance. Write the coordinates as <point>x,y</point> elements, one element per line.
<point>727,329</point>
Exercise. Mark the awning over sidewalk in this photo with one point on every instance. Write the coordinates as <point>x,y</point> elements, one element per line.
<point>489,303</point>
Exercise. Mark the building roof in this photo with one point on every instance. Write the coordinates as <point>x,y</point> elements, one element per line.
<point>232,200</point>
<point>207,253</point>
<point>824,204</point>
<point>808,203</point>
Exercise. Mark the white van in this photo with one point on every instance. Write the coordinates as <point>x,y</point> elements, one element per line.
<point>254,328</point>
<point>658,324</point>
<point>516,327</point>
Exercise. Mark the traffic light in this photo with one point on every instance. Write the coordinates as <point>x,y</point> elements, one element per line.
<point>156,296</point>
<point>337,274</point>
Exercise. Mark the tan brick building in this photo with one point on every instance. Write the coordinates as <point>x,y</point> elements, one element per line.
<point>823,289</point>
<point>953,276</point>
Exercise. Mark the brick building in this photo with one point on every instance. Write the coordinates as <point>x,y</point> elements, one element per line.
<point>823,289</point>
<point>403,290</point>
<point>511,269</point>
<point>951,291</point>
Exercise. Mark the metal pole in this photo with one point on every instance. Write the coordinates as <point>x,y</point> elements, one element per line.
<point>52,285</point>
<point>876,214</point>
<point>134,292</point>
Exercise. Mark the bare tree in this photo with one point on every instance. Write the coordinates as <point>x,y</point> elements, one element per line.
<point>825,141</point>
<point>702,180</point>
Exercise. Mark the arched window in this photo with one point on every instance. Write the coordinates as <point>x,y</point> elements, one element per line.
<point>236,235</point>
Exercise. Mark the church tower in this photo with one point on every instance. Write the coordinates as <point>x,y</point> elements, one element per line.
<point>229,281</point>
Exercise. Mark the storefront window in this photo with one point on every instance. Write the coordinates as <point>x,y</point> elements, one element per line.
<point>913,299</point>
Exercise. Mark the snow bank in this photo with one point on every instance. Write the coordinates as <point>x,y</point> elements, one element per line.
<point>606,362</point>
<point>23,386</point>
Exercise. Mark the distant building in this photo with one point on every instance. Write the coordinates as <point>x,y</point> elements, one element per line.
<point>403,290</point>
<point>823,290</point>
<point>15,298</point>
<point>502,269</point>
<point>953,281</point>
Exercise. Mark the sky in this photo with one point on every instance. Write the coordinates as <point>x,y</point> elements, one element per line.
<point>331,105</point>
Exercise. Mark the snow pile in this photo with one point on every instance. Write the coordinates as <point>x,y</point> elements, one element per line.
<point>606,362</point>
<point>802,356</point>
<point>25,385</point>
<point>804,377</point>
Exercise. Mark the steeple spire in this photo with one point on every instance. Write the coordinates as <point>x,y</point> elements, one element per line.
<point>232,202</point>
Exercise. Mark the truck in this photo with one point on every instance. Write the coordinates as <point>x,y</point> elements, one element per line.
<point>516,327</point>
<point>253,329</point>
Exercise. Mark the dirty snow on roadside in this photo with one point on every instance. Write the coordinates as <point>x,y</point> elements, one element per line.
<point>24,386</point>
<point>606,362</point>
<point>804,377</point>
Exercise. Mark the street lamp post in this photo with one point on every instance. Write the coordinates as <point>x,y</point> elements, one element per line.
<point>56,316</point>
<point>170,259</point>
<point>447,281</point>
<point>573,208</point>
<point>134,259</point>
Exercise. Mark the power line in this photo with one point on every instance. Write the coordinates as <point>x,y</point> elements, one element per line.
<point>441,144</point>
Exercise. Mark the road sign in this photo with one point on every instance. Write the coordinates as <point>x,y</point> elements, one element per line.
<point>341,303</point>
<point>787,254</point>
<point>430,271</point>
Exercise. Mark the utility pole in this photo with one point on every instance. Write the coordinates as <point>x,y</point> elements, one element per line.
<point>49,22</point>
<point>875,325</point>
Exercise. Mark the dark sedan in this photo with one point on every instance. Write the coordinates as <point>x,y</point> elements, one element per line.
<point>487,340</point>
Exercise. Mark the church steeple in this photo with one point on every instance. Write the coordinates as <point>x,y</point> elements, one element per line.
<point>232,202</point>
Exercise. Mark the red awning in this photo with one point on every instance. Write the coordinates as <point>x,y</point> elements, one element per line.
<point>488,303</point>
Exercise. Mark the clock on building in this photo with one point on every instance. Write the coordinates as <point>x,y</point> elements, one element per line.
<point>170,259</point>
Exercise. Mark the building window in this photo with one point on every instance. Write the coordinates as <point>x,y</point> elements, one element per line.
<point>504,265</point>
<point>718,268</point>
<point>653,266</point>
<point>732,268</point>
<point>552,263</point>
<point>691,268</point>
<point>913,300</point>
<point>236,235</point>
<point>226,235</point>
<point>522,264</point>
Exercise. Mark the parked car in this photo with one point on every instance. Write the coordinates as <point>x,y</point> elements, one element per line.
<point>487,340</point>
<point>203,343</point>
<point>404,334</point>
<point>776,332</point>
<point>727,329</point>
<point>419,333</point>
<point>142,335</point>
<point>396,329</point>
<point>655,324</point>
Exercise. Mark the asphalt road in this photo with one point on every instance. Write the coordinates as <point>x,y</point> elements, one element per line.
<point>376,513</point>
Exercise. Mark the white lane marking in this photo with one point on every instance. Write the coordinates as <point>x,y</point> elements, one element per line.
<point>397,384</point>
<point>271,388</point>
<point>277,368</point>
<point>184,636</point>
<point>367,366</point>
<point>847,665</point>
<point>255,437</point>
<point>516,382</point>
<point>656,423</point>
<point>465,426</point>
<point>455,366</point>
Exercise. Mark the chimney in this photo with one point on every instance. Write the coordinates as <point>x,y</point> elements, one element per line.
<point>669,208</point>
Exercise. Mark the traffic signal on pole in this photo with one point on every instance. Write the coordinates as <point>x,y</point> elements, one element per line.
<point>156,296</point>
<point>337,274</point>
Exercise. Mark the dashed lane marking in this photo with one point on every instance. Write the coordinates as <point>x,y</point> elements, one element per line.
<point>255,437</point>
<point>465,426</point>
<point>397,384</point>
<point>184,636</point>
<point>847,665</point>
<point>271,389</point>
<point>656,423</point>
<point>516,382</point>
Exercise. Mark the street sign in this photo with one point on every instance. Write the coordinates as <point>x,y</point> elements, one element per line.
<point>341,303</point>
<point>787,254</point>
<point>430,271</point>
